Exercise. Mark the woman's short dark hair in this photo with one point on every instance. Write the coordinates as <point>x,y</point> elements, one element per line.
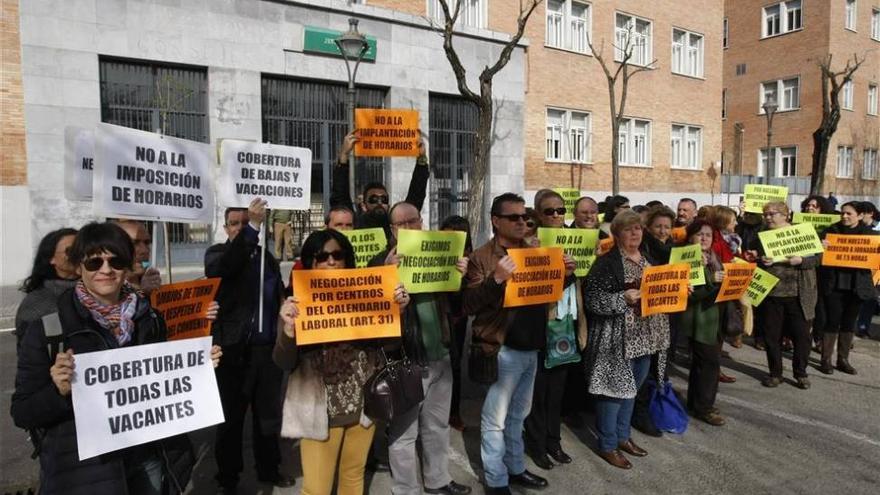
<point>43,269</point>
<point>315,244</point>
<point>96,238</point>
<point>859,206</point>
<point>871,208</point>
<point>657,212</point>
<point>695,227</point>
<point>822,201</point>
<point>460,224</point>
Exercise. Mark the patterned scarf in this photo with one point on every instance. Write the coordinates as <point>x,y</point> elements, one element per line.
<point>117,318</point>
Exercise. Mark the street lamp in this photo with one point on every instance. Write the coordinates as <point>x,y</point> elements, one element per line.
<point>353,45</point>
<point>770,107</point>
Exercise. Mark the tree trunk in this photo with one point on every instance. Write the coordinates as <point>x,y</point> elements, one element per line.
<point>478,207</point>
<point>821,142</point>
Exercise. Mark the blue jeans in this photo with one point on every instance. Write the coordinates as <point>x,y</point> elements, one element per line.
<point>613,415</point>
<point>143,472</point>
<point>507,403</point>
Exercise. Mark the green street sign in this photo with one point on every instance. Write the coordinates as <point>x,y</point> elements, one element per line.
<point>319,40</point>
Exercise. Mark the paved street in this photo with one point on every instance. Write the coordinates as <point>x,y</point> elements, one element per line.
<point>784,440</point>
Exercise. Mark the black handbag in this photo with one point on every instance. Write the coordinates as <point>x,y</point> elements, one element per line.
<point>482,367</point>
<point>733,324</point>
<point>394,389</point>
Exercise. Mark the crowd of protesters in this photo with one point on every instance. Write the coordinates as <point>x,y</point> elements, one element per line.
<point>93,283</point>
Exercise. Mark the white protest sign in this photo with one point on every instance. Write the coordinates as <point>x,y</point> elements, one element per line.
<point>146,176</point>
<point>134,395</point>
<point>79,157</point>
<point>281,175</point>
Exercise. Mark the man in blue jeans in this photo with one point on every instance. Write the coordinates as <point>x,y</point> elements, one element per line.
<point>510,337</point>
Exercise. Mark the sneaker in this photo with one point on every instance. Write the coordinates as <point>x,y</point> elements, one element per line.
<point>803,383</point>
<point>771,381</point>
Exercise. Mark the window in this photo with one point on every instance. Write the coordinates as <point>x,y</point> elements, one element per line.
<point>869,167</point>
<point>875,24</point>
<point>686,147</point>
<point>724,103</point>
<point>740,69</point>
<point>634,143</point>
<point>844,162</point>
<point>568,136</point>
<point>848,95</point>
<point>634,34</point>
<point>872,99</point>
<point>568,25</point>
<point>687,53</point>
<point>782,17</point>
<point>784,161</point>
<point>788,88</point>
<point>472,13</point>
<point>453,132</point>
<point>850,15</point>
<point>725,34</point>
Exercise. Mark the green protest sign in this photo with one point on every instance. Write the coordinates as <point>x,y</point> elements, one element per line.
<point>580,244</point>
<point>367,243</point>
<point>758,195</point>
<point>819,220</point>
<point>692,254</point>
<point>761,285</point>
<point>427,260</point>
<point>794,240</point>
<point>569,198</point>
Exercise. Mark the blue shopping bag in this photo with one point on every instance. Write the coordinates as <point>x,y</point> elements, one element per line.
<point>666,411</point>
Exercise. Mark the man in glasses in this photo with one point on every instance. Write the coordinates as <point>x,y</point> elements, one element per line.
<point>247,376</point>
<point>510,340</point>
<point>427,320</point>
<point>373,210</point>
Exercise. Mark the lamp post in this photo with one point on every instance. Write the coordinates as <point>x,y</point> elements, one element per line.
<point>770,107</point>
<point>353,45</point>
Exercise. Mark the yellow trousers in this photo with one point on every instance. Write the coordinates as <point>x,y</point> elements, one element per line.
<point>346,448</point>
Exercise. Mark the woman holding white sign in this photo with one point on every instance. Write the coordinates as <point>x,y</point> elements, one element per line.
<point>324,401</point>
<point>843,291</point>
<point>101,312</point>
<point>789,307</point>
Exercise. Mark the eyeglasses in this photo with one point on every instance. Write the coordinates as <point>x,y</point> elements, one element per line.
<point>548,212</point>
<point>408,222</point>
<point>374,199</point>
<point>96,263</point>
<point>515,217</point>
<point>322,256</point>
<point>771,214</point>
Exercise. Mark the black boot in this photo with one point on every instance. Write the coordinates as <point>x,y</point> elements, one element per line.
<point>843,345</point>
<point>828,340</point>
<point>641,418</point>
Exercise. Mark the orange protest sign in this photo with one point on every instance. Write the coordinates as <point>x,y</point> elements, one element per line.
<point>340,305</point>
<point>875,275</point>
<point>183,306</point>
<point>737,277</point>
<point>605,245</point>
<point>385,132</point>
<point>852,251</point>
<point>537,278</point>
<point>665,288</point>
<point>679,235</point>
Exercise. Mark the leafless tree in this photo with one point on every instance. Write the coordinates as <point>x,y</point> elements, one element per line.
<point>832,83</point>
<point>623,73</point>
<point>481,98</point>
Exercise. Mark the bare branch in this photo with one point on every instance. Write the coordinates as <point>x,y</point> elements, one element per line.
<point>452,55</point>
<point>511,44</point>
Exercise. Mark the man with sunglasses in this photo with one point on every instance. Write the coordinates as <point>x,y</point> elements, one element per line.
<point>506,342</point>
<point>373,211</point>
<point>247,376</point>
<point>428,326</point>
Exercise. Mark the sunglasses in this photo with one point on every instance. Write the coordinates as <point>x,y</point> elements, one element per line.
<point>515,217</point>
<point>530,224</point>
<point>323,256</point>
<point>548,212</point>
<point>95,264</point>
<point>377,199</point>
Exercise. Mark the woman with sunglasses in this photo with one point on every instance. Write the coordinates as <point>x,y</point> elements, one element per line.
<point>843,292</point>
<point>51,275</point>
<point>101,312</point>
<point>323,405</point>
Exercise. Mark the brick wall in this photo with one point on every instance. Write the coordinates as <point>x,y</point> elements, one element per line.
<point>13,155</point>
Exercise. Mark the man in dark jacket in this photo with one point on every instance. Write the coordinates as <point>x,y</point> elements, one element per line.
<point>247,375</point>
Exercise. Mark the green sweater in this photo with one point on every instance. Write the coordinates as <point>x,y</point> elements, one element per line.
<point>701,320</point>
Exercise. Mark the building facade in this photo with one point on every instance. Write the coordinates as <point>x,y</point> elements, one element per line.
<point>244,69</point>
<point>772,55</point>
